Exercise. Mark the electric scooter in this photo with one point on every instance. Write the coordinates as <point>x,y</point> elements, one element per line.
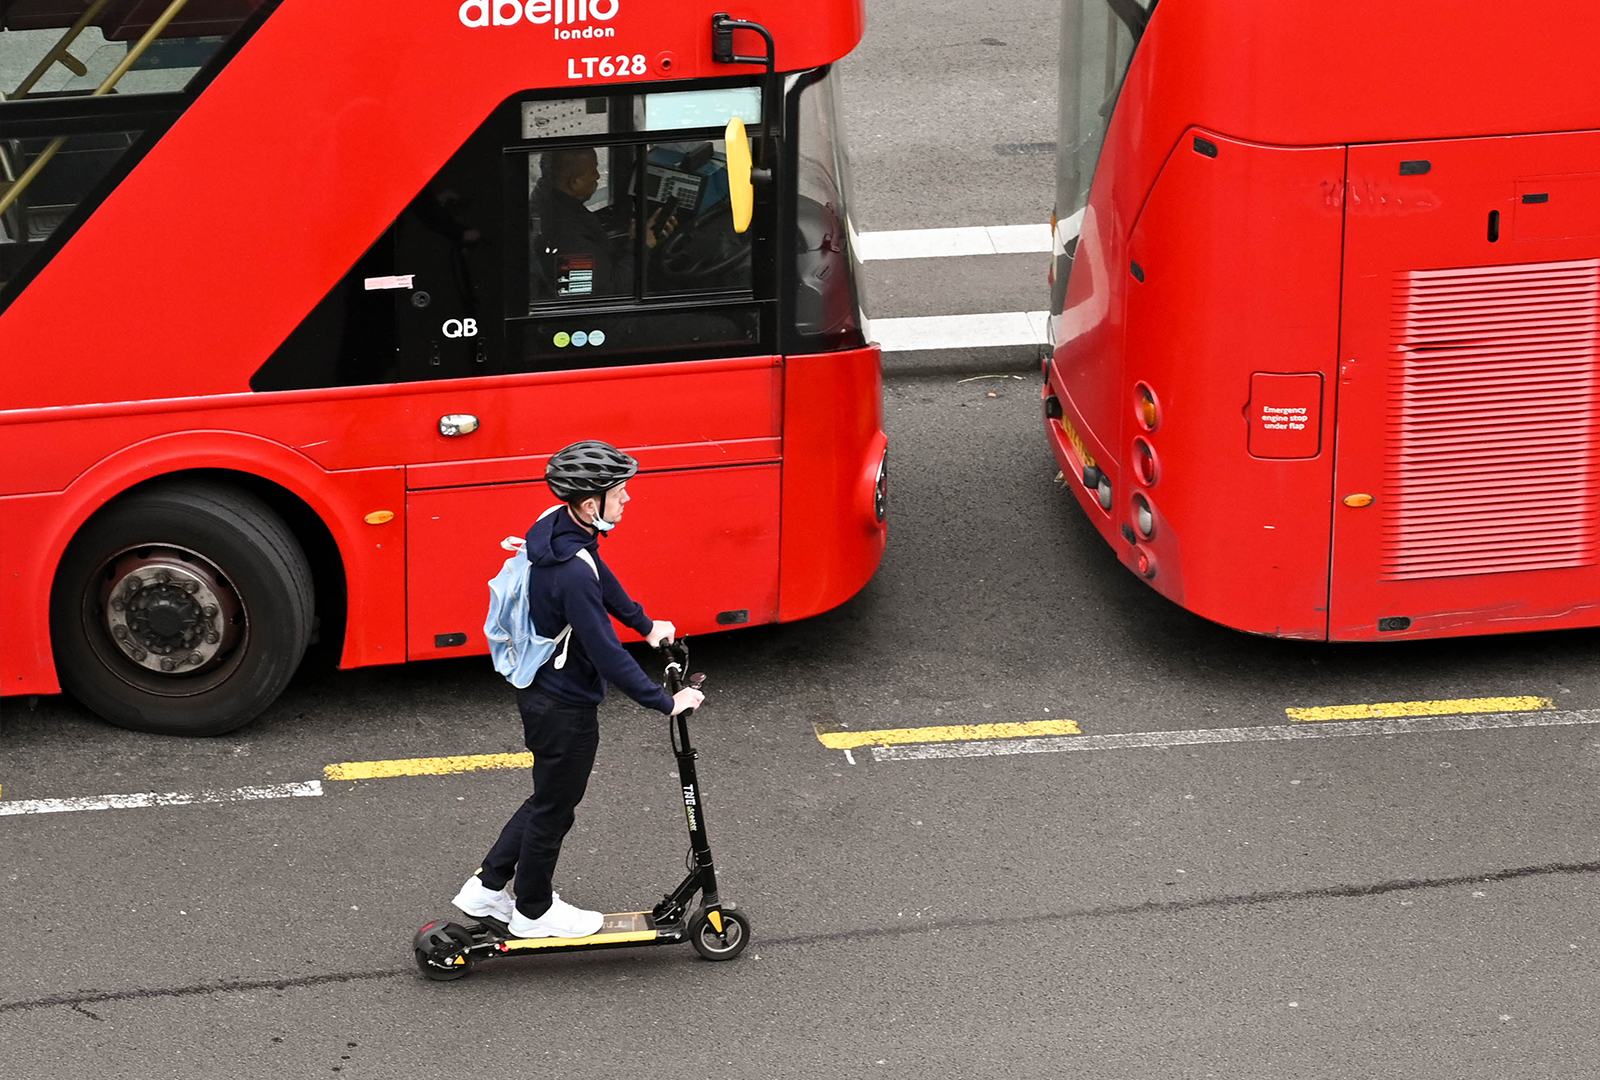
<point>716,928</point>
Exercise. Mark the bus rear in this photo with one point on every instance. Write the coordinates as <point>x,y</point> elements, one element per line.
<point>299,298</point>
<point>1327,302</point>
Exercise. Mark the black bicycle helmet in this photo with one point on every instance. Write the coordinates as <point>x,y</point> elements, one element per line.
<point>587,468</point>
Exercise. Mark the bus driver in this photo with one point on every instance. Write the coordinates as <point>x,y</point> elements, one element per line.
<point>580,258</point>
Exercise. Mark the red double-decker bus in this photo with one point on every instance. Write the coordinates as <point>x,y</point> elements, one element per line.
<point>1327,296</point>
<point>298,297</point>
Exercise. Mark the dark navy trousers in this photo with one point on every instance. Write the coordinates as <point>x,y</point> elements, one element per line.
<point>563,738</point>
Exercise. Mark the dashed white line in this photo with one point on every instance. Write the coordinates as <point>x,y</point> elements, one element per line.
<point>152,798</point>
<point>1138,740</point>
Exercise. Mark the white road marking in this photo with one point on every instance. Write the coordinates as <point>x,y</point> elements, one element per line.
<point>946,243</point>
<point>962,331</point>
<point>1138,740</point>
<point>152,798</point>
<point>988,330</point>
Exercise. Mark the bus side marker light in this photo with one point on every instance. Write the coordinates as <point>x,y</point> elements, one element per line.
<point>1205,147</point>
<point>1415,168</point>
<point>379,517</point>
<point>1357,501</point>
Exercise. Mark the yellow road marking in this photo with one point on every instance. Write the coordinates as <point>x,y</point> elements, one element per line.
<point>849,740</point>
<point>425,766</point>
<point>1385,709</point>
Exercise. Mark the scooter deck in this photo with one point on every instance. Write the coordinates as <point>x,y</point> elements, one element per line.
<point>620,928</point>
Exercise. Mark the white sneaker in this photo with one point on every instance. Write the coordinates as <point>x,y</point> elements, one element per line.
<point>561,920</point>
<point>478,900</point>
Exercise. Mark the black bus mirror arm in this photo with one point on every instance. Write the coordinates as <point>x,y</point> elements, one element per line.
<point>722,27</point>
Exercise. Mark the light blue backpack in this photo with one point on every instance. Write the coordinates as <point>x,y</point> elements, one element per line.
<point>515,644</point>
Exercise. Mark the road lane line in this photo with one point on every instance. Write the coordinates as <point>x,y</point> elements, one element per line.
<point>992,329</point>
<point>427,766</point>
<point>947,243</point>
<point>850,740</point>
<point>1386,709</point>
<point>153,798</point>
<point>1420,725</point>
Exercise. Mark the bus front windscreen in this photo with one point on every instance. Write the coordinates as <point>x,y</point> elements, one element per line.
<point>1097,41</point>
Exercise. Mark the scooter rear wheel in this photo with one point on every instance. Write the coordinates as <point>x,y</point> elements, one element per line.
<point>441,951</point>
<point>726,945</point>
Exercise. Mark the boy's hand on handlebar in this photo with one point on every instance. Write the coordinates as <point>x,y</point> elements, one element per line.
<point>660,633</point>
<point>687,698</point>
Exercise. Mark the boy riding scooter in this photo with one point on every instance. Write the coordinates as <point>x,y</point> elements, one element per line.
<point>568,586</point>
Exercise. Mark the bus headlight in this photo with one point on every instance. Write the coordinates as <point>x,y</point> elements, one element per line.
<point>880,490</point>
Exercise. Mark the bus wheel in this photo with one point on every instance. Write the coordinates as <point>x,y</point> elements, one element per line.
<point>181,609</point>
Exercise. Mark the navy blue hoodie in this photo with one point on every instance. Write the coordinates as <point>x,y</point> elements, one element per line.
<point>561,590</point>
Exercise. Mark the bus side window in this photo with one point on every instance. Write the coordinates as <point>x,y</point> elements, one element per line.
<point>692,242</point>
<point>67,72</point>
<point>581,224</point>
<point>829,310</point>
<point>422,303</point>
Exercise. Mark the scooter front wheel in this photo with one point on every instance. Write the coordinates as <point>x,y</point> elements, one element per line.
<point>441,951</point>
<point>727,944</point>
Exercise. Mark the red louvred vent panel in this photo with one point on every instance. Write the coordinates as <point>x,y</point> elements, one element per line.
<point>1492,435</point>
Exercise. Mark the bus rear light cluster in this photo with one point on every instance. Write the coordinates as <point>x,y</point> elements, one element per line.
<point>1146,564</point>
<point>1102,490</point>
<point>1144,462</point>
<point>1144,516</point>
<point>1146,409</point>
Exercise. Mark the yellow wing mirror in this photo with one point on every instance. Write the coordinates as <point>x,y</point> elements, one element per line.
<point>741,193</point>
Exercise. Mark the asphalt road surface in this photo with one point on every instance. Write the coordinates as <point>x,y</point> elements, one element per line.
<point>1186,892</point>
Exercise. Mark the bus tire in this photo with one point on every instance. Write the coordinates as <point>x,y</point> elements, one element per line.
<point>182,608</point>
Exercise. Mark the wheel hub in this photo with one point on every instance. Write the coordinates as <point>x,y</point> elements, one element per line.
<point>166,614</point>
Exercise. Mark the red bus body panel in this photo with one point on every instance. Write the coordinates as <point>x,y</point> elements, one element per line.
<point>365,99</point>
<point>707,434</point>
<point>1470,401</point>
<point>1265,320</point>
<point>259,199</point>
<point>833,444</point>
